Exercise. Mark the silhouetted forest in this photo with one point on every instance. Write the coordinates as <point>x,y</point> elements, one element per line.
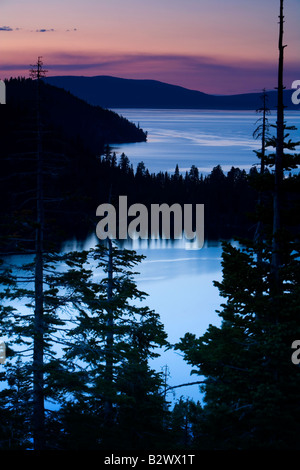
<point>73,117</point>
<point>78,336</point>
<point>83,172</point>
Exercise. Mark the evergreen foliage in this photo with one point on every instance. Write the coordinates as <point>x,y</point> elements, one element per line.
<point>79,338</point>
<point>251,382</point>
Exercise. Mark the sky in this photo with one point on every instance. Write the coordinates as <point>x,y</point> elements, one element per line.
<point>215,46</point>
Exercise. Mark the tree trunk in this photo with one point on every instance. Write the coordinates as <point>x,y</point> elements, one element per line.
<point>38,349</point>
<point>259,229</point>
<point>109,339</point>
<point>276,258</point>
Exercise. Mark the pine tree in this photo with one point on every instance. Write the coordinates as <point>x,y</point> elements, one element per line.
<point>37,73</point>
<point>112,340</point>
<point>185,424</point>
<point>37,248</point>
<point>29,308</point>
<point>251,384</point>
<point>18,325</point>
<point>259,179</point>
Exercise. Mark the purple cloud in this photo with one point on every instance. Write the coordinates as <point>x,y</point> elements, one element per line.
<point>44,30</point>
<point>206,74</point>
<point>6,28</point>
<point>201,73</point>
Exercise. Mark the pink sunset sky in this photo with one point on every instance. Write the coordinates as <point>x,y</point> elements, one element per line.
<point>215,46</point>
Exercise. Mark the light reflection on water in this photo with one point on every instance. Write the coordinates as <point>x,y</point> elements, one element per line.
<point>197,137</point>
<point>179,284</point>
<point>181,290</point>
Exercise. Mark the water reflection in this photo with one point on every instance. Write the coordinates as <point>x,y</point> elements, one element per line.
<point>179,284</point>
<point>197,137</point>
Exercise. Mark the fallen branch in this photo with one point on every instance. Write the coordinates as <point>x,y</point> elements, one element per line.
<point>183,385</point>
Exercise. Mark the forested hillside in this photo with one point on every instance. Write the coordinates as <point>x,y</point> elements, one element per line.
<point>82,171</point>
<point>72,116</point>
<point>78,339</point>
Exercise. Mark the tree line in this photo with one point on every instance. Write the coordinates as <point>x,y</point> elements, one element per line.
<point>80,337</point>
<point>251,381</point>
<point>83,172</point>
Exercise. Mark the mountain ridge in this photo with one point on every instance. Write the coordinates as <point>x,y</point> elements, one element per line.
<point>73,116</point>
<point>115,92</point>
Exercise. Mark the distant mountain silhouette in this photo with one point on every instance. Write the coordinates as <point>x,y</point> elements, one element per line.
<point>113,92</point>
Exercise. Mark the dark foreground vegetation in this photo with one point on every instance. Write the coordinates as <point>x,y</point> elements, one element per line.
<point>79,337</point>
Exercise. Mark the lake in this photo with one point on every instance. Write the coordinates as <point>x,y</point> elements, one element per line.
<point>197,137</point>
<point>179,281</point>
<point>180,287</point>
<point>179,284</point>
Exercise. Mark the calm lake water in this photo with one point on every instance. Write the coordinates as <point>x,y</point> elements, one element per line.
<point>179,284</point>
<point>197,137</point>
<point>179,281</point>
<point>180,287</point>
